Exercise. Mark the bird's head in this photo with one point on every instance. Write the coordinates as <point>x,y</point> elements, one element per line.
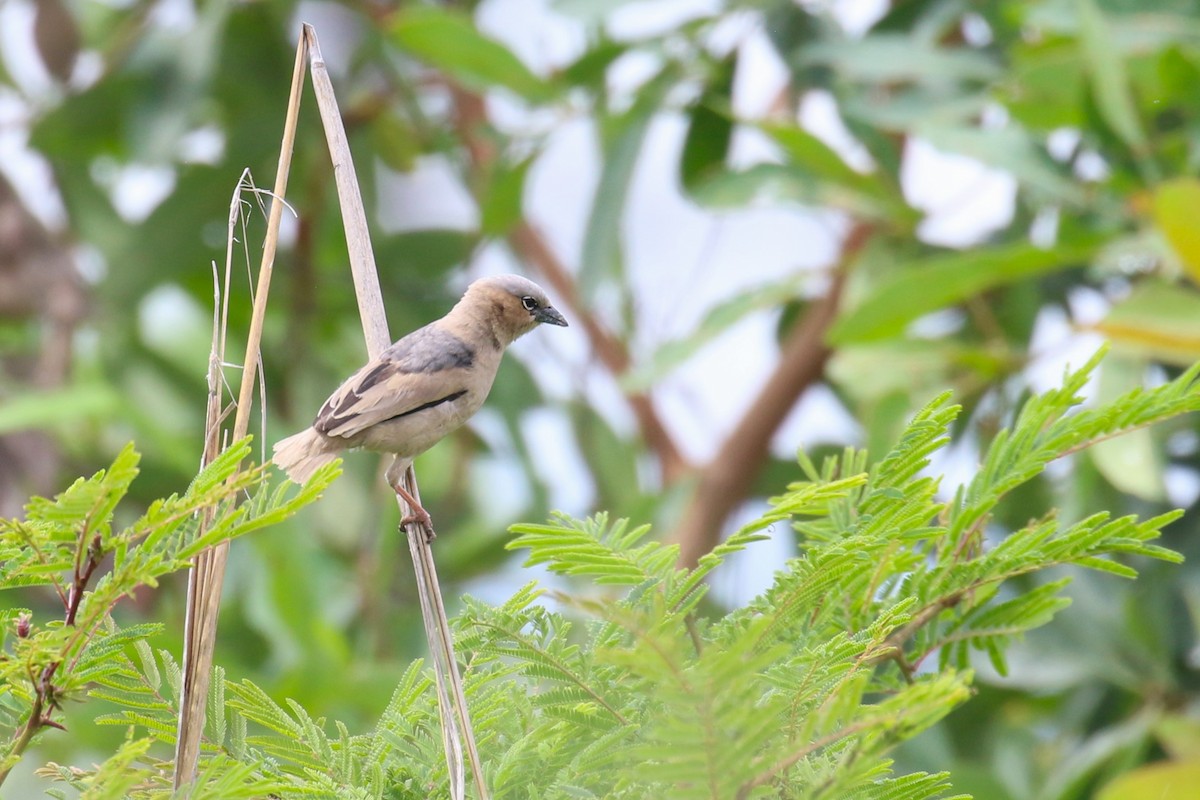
<point>511,305</point>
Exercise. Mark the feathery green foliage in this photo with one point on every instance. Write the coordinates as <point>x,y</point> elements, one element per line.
<point>75,545</point>
<point>631,684</point>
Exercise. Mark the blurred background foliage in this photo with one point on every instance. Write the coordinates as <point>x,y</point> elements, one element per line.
<point>744,207</point>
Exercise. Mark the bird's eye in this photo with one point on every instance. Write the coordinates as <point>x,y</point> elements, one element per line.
<point>529,303</point>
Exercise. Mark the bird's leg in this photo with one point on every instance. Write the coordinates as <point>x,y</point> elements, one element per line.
<point>417,513</point>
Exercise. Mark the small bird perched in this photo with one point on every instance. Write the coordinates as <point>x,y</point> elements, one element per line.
<point>422,387</point>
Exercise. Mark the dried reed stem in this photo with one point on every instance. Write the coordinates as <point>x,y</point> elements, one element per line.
<point>207,577</point>
<point>456,722</point>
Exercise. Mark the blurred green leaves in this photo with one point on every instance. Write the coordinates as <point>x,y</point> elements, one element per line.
<point>887,58</point>
<point>1158,319</point>
<point>450,42</point>
<point>1175,206</point>
<point>710,129</point>
<point>908,291</point>
<point>1082,104</point>
<point>502,201</point>
<point>1110,83</point>
<point>1161,781</point>
<point>90,402</point>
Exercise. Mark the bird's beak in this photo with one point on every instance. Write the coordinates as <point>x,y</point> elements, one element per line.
<point>550,316</point>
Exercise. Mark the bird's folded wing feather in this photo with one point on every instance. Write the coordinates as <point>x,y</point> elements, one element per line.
<point>424,369</point>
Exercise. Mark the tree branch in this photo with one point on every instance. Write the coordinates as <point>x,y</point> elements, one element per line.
<point>727,479</point>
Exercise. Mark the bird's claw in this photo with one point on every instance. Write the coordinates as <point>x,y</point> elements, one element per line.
<point>416,513</point>
<point>421,517</point>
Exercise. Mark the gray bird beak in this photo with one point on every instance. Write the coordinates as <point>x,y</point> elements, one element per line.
<point>550,316</point>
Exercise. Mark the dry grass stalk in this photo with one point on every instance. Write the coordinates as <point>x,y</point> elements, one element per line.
<point>456,721</point>
<point>207,577</point>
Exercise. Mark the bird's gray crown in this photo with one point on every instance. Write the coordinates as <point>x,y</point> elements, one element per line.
<point>516,285</point>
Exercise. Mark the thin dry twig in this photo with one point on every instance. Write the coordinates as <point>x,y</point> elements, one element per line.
<point>207,577</point>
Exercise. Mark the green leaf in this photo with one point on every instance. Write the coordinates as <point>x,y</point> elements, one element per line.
<point>1159,320</point>
<point>906,110</point>
<point>710,129</point>
<point>706,145</point>
<point>1110,82</point>
<point>396,143</point>
<point>888,58</point>
<point>589,69</point>
<point>74,403</point>
<point>1045,431</point>
<point>780,183</point>
<point>424,253</point>
<point>121,773</point>
<point>881,372</point>
<point>820,163</point>
<point>594,548</point>
<point>1133,462</point>
<point>909,291</point>
<point>449,41</point>
<point>501,206</point>
<point>1167,780</point>
<point>1107,565</point>
<point>1179,74</point>
<point>1176,203</point>
<point>1046,82</point>
<point>817,158</point>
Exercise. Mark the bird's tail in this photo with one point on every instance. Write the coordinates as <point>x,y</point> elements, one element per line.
<point>303,454</point>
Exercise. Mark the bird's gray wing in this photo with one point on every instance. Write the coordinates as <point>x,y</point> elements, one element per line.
<point>426,368</point>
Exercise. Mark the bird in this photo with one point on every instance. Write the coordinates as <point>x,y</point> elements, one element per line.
<point>423,386</point>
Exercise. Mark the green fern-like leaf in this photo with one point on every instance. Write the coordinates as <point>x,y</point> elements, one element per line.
<point>633,686</point>
<point>594,549</point>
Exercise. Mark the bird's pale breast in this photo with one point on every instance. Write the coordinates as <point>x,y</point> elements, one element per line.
<point>417,431</point>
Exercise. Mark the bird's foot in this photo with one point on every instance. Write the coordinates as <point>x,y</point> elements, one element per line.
<point>421,517</point>
<point>417,513</point>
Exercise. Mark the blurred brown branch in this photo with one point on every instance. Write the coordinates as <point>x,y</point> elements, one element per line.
<point>726,480</point>
<point>38,281</point>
